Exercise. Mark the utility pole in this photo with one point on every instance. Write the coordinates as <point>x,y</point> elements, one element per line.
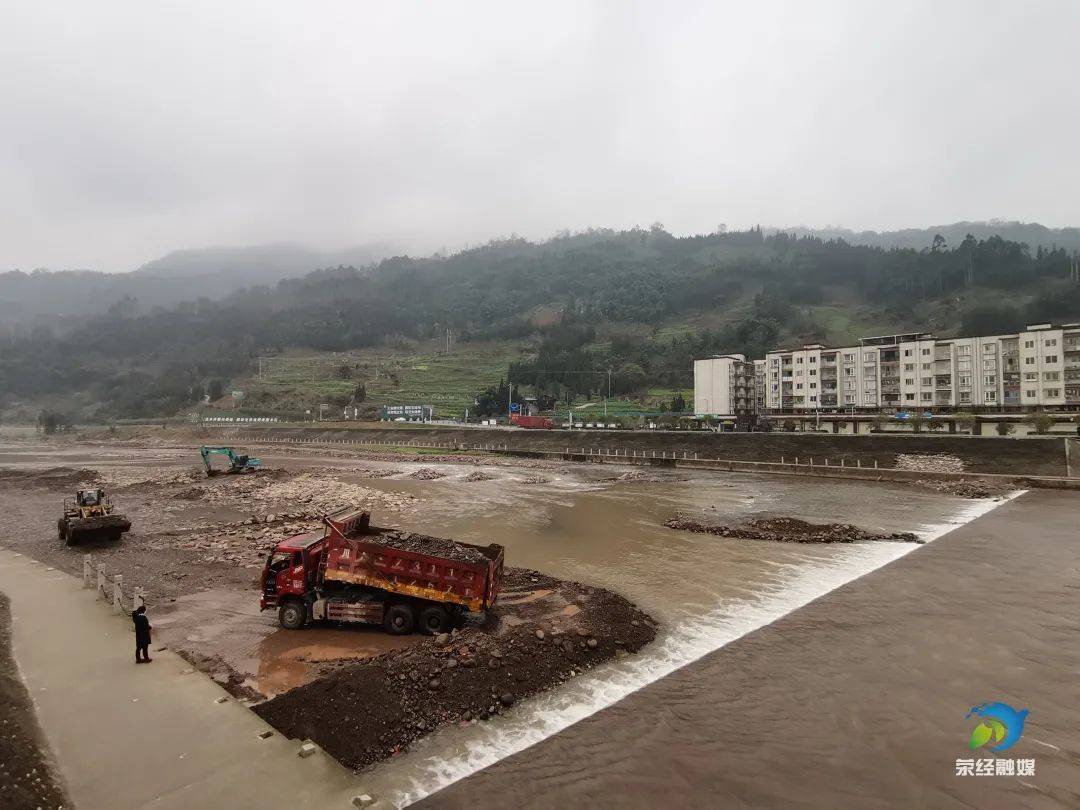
<point>509,401</point>
<point>608,393</point>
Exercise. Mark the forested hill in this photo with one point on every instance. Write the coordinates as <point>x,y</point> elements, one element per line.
<point>640,302</point>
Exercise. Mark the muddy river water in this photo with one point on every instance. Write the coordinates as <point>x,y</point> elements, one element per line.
<point>705,590</point>
<point>580,524</point>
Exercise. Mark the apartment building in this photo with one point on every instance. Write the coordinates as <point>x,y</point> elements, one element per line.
<point>726,386</point>
<point>1039,367</point>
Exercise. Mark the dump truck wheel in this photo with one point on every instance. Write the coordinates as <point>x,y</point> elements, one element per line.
<point>435,619</point>
<point>399,620</point>
<point>292,615</point>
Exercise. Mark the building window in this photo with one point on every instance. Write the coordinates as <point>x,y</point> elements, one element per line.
<point>1052,392</point>
<point>813,358</point>
<point>1030,394</point>
<point>991,396</point>
<point>798,360</point>
<point>849,358</point>
<point>965,397</point>
<point>963,365</point>
<point>1051,376</point>
<point>989,365</point>
<point>926,351</point>
<point>813,385</point>
<point>869,399</point>
<point>849,372</point>
<point>909,366</point>
<point>813,372</point>
<point>1029,361</point>
<point>849,399</point>
<point>909,380</point>
<point>965,381</point>
<point>1031,375</point>
<point>1051,358</point>
<point>1029,344</point>
<point>798,386</point>
<point>1051,342</point>
<point>990,379</point>
<point>988,348</point>
<point>849,385</point>
<point>926,381</point>
<point>813,399</point>
<point>925,366</point>
<point>909,397</point>
<point>927,396</point>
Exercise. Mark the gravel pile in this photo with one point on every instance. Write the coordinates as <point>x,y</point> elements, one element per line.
<point>305,493</point>
<point>424,544</point>
<point>790,530</point>
<point>969,488</point>
<point>535,479</point>
<point>478,476</point>
<point>427,474</point>
<point>926,462</point>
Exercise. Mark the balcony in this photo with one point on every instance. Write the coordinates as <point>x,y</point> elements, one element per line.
<point>943,381</point>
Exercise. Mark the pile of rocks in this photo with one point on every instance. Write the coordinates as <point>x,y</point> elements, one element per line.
<point>477,475</point>
<point>790,530</point>
<point>535,479</point>
<point>927,462</point>
<point>307,492</point>
<point>427,474</point>
<point>967,488</point>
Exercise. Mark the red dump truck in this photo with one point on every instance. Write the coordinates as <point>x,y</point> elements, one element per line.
<point>351,571</point>
<point>534,422</point>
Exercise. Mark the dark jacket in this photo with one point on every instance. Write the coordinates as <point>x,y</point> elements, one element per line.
<point>142,628</point>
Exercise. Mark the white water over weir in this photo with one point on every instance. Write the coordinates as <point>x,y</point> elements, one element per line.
<point>454,753</point>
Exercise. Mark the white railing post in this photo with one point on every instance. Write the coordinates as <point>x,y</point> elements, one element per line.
<point>118,594</point>
<point>87,571</point>
<point>101,580</point>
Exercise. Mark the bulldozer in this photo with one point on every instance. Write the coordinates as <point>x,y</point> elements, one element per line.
<point>238,462</point>
<point>90,517</point>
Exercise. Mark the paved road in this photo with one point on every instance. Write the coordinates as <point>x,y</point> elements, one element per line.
<point>147,736</point>
<point>856,700</point>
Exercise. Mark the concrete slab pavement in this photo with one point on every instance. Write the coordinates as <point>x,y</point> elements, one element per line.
<point>146,736</point>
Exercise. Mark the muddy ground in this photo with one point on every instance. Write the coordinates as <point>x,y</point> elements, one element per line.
<point>28,777</point>
<point>197,546</point>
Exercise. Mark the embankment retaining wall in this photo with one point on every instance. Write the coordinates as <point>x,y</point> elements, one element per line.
<point>1007,456</point>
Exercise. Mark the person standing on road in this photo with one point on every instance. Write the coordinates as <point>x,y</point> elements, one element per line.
<point>142,635</point>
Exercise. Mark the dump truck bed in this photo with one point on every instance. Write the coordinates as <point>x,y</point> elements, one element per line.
<point>399,562</point>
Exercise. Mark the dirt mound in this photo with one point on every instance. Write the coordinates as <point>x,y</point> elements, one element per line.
<point>53,478</point>
<point>790,530</point>
<point>372,710</point>
<point>968,488</point>
<point>478,476</point>
<point>427,474</point>
<point>424,544</point>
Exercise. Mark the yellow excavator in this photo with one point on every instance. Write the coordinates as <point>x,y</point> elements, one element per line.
<point>90,517</point>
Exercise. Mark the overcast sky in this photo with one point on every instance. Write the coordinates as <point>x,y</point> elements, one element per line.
<point>131,128</point>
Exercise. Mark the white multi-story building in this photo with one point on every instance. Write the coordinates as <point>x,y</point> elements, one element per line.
<point>1039,367</point>
<point>725,386</point>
